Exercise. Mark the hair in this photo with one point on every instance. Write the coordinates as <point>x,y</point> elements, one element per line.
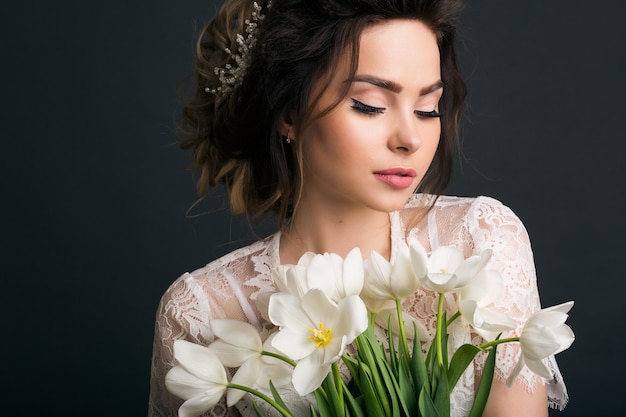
<point>235,137</point>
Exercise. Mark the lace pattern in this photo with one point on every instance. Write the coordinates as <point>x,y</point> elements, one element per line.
<point>228,287</point>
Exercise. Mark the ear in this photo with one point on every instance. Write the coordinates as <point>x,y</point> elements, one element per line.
<point>286,127</point>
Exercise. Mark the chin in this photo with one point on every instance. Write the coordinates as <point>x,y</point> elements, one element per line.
<point>394,203</point>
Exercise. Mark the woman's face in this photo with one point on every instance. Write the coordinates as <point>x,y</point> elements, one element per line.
<point>373,148</point>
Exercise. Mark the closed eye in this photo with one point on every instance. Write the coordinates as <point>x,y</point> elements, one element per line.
<point>427,114</point>
<point>366,109</point>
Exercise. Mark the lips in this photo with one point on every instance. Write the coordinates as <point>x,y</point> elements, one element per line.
<point>397,177</point>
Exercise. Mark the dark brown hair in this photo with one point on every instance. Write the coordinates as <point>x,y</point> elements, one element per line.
<point>235,137</point>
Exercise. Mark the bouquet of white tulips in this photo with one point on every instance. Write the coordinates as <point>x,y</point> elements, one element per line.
<point>325,311</point>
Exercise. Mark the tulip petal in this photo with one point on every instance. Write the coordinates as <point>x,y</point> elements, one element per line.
<point>319,308</point>
<point>515,372</point>
<point>184,384</point>
<point>539,342</point>
<point>305,259</point>
<point>262,302</point>
<point>199,361</point>
<point>562,308</point>
<point>377,284</point>
<point>470,267</point>
<point>439,282</point>
<point>352,314</point>
<point>294,342</point>
<point>403,280</point>
<point>309,375</point>
<point>484,288</point>
<point>229,355</point>
<point>322,275</point>
<point>246,375</point>
<point>547,318</point>
<point>565,336</point>
<point>538,367</point>
<point>285,310</point>
<point>352,274</point>
<point>445,258</point>
<point>197,405</point>
<point>419,259</point>
<point>237,333</point>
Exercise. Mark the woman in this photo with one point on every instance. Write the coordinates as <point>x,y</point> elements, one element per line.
<point>334,115</point>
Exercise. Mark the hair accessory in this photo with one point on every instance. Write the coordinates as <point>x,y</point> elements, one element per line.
<point>232,75</point>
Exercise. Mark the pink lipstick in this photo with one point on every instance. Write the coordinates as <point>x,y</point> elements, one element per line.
<point>397,177</point>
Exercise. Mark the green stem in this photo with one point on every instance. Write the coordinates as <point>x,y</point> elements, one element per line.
<point>402,330</point>
<point>454,317</point>
<point>279,356</point>
<point>270,401</point>
<point>372,320</point>
<point>439,330</point>
<point>498,342</point>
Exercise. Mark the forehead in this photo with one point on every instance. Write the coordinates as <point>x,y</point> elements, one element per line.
<point>399,48</point>
<point>403,51</point>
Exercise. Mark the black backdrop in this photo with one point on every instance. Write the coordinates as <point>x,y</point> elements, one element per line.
<point>95,189</point>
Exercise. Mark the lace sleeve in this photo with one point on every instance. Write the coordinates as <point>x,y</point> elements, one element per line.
<point>494,226</point>
<point>183,313</point>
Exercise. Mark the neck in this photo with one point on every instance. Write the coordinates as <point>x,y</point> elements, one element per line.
<point>335,230</point>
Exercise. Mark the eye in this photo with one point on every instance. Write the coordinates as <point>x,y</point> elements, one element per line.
<point>427,114</point>
<point>366,109</point>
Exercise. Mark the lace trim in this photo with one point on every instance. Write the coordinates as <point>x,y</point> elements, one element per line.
<point>228,287</point>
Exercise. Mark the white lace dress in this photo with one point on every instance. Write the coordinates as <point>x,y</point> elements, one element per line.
<point>227,288</point>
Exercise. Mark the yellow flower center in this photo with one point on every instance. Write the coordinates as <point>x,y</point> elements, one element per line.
<point>321,337</point>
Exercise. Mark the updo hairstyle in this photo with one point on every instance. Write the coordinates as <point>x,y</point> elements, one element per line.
<point>235,136</point>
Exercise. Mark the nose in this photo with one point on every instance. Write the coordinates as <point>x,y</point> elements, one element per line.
<point>406,134</point>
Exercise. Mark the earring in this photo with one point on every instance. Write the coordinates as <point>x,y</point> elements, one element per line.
<point>288,139</point>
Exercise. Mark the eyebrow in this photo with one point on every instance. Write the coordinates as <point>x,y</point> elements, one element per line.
<point>393,86</point>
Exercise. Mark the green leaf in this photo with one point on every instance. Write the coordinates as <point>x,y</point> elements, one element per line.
<point>370,396</point>
<point>393,389</point>
<point>373,357</point>
<point>352,404</point>
<point>325,410</point>
<point>277,397</point>
<point>332,396</point>
<point>482,394</point>
<point>353,366</point>
<point>426,406</point>
<point>256,410</point>
<point>442,392</point>
<point>460,361</point>
<point>406,390</point>
<point>393,356</point>
<point>418,363</point>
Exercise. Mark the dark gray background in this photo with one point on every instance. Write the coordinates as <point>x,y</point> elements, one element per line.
<point>95,190</point>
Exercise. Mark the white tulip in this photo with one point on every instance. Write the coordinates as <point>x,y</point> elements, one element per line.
<point>239,345</point>
<point>544,334</point>
<point>315,331</point>
<point>337,277</point>
<point>199,378</point>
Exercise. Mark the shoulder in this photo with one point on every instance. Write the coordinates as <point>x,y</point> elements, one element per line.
<point>463,221</point>
<point>469,209</point>
<point>464,205</point>
<point>221,280</point>
<point>242,255</point>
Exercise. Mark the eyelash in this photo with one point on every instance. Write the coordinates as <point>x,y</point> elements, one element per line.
<point>371,110</point>
<point>365,109</point>
<point>427,114</point>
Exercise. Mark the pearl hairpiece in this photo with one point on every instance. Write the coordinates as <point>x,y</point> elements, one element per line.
<point>232,75</point>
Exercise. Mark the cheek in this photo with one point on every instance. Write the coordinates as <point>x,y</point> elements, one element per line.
<point>433,136</point>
